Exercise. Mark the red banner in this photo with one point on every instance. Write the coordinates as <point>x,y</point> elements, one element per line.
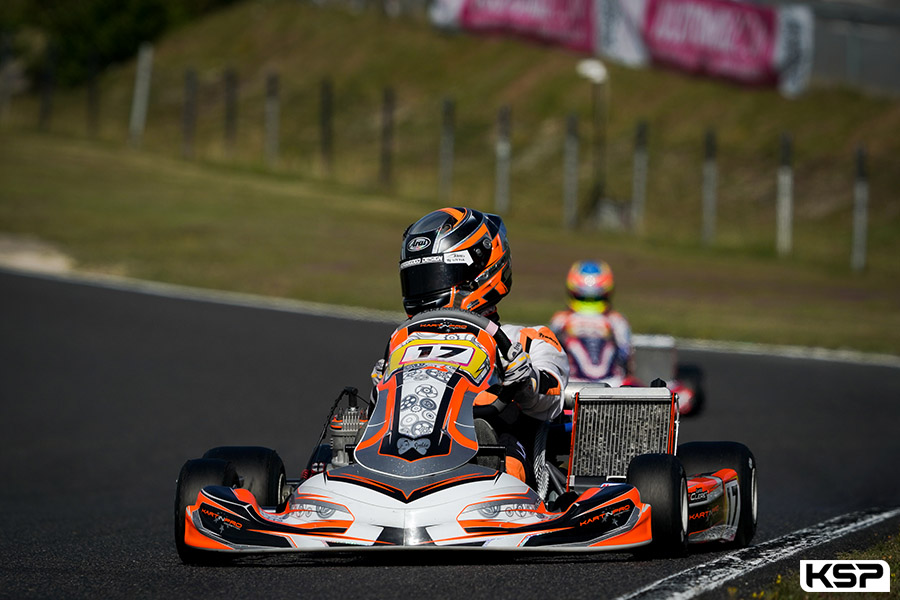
<point>748,43</point>
<point>713,37</point>
<point>568,23</point>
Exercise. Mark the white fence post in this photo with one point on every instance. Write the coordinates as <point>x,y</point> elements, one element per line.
<point>503,153</point>
<point>570,173</point>
<point>141,97</point>
<point>272,114</point>
<point>639,178</point>
<point>860,212</point>
<point>784,214</point>
<point>710,177</point>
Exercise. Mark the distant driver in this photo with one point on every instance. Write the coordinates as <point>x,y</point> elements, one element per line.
<point>596,337</point>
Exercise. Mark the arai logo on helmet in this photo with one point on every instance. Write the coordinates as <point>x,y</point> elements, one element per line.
<point>418,244</point>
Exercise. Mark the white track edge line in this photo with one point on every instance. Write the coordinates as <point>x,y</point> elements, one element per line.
<point>171,290</point>
<point>708,576</point>
<point>183,292</point>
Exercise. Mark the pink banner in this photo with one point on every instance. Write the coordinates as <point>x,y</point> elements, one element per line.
<point>722,38</point>
<point>569,23</point>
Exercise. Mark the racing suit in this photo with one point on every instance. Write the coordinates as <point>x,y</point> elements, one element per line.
<point>518,426</point>
<point>518,423</point>
<point>598,344</point>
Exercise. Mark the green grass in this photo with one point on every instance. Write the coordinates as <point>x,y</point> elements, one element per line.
<point>147,216</point>
<point>298,231</point>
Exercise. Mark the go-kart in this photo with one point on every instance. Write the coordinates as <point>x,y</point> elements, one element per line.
<point>420,468</point>
<point>657,356</point>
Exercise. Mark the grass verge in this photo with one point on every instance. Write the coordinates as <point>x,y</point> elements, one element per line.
<point>210,225</point>
<point>787,587</point>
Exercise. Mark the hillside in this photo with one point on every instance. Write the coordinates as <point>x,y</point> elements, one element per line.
<point>664,274</point>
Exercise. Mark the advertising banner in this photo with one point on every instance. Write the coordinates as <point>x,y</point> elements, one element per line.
<point>743,42</point>
<point>568,23</point>
<point>748,43</point>
<point>714,37</point>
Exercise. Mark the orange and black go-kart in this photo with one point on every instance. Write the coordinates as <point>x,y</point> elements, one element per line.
<point>422,468</point>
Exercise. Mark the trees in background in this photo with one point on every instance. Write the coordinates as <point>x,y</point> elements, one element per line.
<point>79,37</point>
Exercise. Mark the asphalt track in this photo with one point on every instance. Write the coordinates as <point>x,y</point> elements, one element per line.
<point>104,393</point>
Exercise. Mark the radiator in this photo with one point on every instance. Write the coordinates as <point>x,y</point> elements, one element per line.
<point>613,425</point>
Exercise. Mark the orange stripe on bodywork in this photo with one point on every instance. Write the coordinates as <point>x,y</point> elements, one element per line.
<point>246,496</point>
<point>195,539</point>
<point>638,534</point>
<point>726,475</point>
<point>201,499</point>
<point>673,413</point>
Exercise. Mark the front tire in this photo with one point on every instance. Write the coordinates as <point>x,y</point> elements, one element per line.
<point>661,481</point>
<point>708,457</point>
<point>260,469</point>
<point>194,476</point>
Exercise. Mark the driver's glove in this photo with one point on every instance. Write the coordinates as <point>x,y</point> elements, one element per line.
<point>378,371</point>
<point>519,377</point>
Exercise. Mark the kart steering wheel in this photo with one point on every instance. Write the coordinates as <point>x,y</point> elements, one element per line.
<point>503,343</point>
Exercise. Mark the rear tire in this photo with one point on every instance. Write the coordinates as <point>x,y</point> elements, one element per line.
<point>194,476</point>
<point>707,457</point>
<point>260,469</point>
<point>661,481</point>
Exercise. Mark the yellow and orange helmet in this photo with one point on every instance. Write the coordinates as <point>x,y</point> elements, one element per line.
<point>590,285</point>
<point>456,258</point>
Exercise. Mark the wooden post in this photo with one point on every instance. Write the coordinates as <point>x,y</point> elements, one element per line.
<point>326,130</point>
<point>448,125</point>
<point>272,114</point>
<point>639,178</point>
<point>387,135</point>
<point>48,87</point>
<point>141,97</point>
<point>231,91</point>
<point>93,98</point>
<point>599,101</point>
<point>503,153</point>
<point>860,212</point>
<point>710,177</point>
<point>189,115</point>
<point>784,213</point>
<point>5,83</point>
<point>570,173</point>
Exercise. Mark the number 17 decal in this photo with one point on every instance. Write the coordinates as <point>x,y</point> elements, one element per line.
<point>458,354</point>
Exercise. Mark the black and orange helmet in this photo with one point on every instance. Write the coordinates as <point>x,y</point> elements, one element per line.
<point>456,258</point>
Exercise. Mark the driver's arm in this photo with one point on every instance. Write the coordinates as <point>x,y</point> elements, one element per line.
<point>551,365</point>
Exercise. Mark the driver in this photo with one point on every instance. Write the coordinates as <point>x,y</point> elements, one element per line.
<point>596,337</point>
<point>459,258</point>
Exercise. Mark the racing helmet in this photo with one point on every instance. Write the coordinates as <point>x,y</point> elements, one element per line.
<point>590,286</point>
<point>455,258</point>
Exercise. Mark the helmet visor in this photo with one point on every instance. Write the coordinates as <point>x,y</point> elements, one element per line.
<point>419,280</point>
